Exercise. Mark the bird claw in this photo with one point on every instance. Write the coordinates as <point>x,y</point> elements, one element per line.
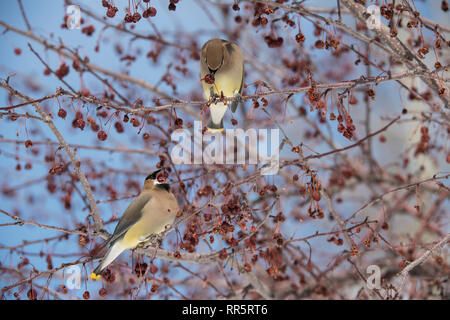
<point>151,239</point>
<point>156,238</point>
<point>238,97</point>
<point>215,98</point>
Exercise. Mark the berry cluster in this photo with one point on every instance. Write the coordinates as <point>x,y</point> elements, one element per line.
<point>349,127</point>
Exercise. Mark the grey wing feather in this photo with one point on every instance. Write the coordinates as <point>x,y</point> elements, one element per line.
<point>132,214</point>
<point>234,106</point>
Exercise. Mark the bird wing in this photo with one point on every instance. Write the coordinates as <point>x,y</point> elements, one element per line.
<point>235,104</point>
<point>131,215</point>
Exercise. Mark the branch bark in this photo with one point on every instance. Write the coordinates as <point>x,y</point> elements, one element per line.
<point>98,223</point>
<point>408,57</point>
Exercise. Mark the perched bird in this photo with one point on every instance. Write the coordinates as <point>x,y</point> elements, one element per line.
<point>222,72</point>
<point>149,214</point>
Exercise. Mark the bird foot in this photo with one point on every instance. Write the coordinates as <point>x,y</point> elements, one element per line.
<point>238,97</point>
<point>215,98</point>
<point>151,240</point>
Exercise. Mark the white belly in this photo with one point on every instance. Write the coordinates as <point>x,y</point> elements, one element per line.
<point>217,111</point>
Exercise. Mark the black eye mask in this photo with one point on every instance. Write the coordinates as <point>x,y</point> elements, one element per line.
<point>153,175</point>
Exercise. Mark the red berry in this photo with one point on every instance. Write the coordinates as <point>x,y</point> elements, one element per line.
<point>89,30</point>
<point>31,294</point>
<point>153,268</point>
<point>140,269</point>
<point>95,127</point>
<point>85,92</point>
<point>223,254</point>
<point>101,135</point>
<point>62,113</point>
<point>62,71</point>
<point>152,11</point>
<point>209,79</point>
<point>111,12</point>
<point>300,38</point>
<point>86,295</point>
<point>302,189</point>
<point>135,122</point>
<point>178,122</point>
<point>444,6</point>
<point>128,18</point>
<point>28,143</point>
<point>154,287</point>
<point>102,292</point>
<point>316,195</point>
<point>172,7</point>
<point>80,123</point>
<point>17,51</point>
<point>136,17</point>
<point>119,127</point>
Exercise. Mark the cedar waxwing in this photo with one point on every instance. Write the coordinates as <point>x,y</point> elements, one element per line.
<point>223,61</point>
<point>154,209</point>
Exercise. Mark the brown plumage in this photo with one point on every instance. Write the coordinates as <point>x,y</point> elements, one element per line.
<point>222,60</point>
<point>149,214</point>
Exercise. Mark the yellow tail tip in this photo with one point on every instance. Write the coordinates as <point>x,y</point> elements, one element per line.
<point>95,276</point>
<point>215,130</point>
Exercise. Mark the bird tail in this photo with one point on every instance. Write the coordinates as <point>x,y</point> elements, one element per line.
<point>113,252</point>
<point>216,112</point>
<point>212,127</point>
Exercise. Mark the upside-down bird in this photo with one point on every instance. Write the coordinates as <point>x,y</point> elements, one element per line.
<point>222,72</point>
